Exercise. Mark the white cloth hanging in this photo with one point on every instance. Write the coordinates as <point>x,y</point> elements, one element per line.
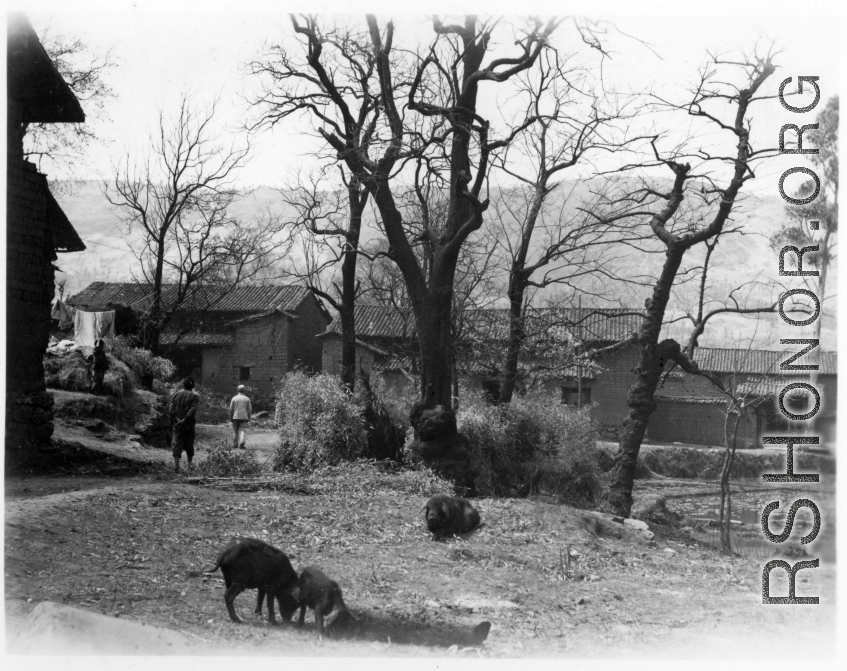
<point>90,326</point>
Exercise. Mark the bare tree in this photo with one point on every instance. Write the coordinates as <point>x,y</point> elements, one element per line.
<point>723,105</point>
<point>446,141</point>
<point>563,124</point>
<point>332,221</point>
<point>335,87</point>
<point>176,198</point>
<point>86,73</point>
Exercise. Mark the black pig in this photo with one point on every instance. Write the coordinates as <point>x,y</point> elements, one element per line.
<point>248,563</point>
<point>323,595</point>
<point>448,515</point>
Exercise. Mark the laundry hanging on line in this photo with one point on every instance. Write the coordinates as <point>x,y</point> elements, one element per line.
<point>64,313</point>
<point>90,326</point>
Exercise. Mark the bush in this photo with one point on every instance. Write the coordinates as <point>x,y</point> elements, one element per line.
<point>531,445</point>
<point>70,372</point>
<point>319,422</point>
<point>128,366</point>
<point>142,362</point>
<point>386,432</point>
<point>225,461</point>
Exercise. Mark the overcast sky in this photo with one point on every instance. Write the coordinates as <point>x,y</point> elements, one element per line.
<point>165,48</point>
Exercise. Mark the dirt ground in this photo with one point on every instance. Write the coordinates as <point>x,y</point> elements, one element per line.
<point>134,544</point>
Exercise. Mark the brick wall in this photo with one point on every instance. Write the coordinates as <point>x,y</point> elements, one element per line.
<point>612,386</point>
<point>699,423</point>
<point>331,355</point>
<point>29,292</point>
<point>304,348</point>
<point>261,345</point>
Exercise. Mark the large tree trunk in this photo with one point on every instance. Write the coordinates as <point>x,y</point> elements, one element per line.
<point>348,285</point>
<point>640,400</point>
<point>436,342</point>
<point>517,336</point>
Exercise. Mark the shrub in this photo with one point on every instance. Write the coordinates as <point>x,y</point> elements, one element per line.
<point>70,372</point>
<point>532,444</point>
<point>128,365</point>
<point>386,431</point>
<point>398,403</point>
<point>225,461</point>
<point>319,422</point>
<point>141,361</point>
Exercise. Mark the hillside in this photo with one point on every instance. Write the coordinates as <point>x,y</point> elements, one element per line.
<point>739,260</point>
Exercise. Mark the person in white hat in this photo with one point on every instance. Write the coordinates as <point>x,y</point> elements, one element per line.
<point>240,411</point>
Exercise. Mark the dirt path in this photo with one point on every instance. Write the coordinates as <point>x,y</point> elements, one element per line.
<point>136,547</point>
<point>116,532</point>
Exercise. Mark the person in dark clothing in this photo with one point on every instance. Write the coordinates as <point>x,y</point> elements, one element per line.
<point>183,420</point>
<point>99,366</point>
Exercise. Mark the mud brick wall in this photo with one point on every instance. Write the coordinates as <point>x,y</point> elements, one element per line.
<point>304,349</point>
<point>331,359</point>
<point>688,422</point>
<point>29,292</point>
<point>612,386</point>
<point>262,345</point>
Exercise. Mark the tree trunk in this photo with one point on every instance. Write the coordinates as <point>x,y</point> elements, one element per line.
<point>347,307</point>
<point>153,329</point>
<point>436,342</point>
<point>640,399</point>
<point>517,336</point>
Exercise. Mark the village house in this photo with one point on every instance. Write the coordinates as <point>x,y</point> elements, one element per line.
<point>692,410</point>
<point>250,335</point>
<point>595,370</point>
<point>36,230</point>
<point>557,362</point>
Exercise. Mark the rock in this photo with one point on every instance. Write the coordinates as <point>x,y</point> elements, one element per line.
<point>636,524</point>
<point>65,630</point>
<point>653,508</point>
<point>152,421</point>
<point>611,526</point>
<point>433,605</point>
<point>583,600</point>
<point>95,425</point>
<point>670,552</point>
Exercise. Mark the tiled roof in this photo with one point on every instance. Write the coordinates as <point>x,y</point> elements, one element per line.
<point>758,361</point>
<point>377,321</point>
<point>198,339</point>
<point>582,324</point>
<point>253,298</point>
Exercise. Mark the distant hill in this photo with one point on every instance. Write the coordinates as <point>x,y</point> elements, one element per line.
<point>740,258</point>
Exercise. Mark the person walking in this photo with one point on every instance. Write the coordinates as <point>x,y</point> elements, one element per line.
<point>240,412</point>
<point>183,421</point>
<point>99,366</point>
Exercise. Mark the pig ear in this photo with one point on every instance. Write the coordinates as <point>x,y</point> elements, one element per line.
<point>295,593</point>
